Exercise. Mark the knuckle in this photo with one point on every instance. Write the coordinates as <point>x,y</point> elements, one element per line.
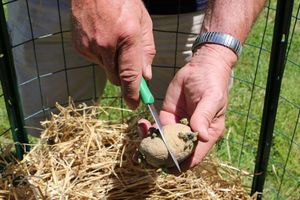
<point>129,76</point>
<point>206,116</point>
<point>151,51</point>
<point>132,28</point>
<point>129,85</point>
<point>102,43</point>
<point>218,96</point>
<point>130,31</point>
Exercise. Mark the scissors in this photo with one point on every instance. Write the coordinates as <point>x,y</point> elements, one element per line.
<point>148,99</point>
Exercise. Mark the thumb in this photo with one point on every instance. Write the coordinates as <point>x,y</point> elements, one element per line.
<point>130,70</point>
<point>149,53</point>
<point>148,44</point>
<point>203,115</point>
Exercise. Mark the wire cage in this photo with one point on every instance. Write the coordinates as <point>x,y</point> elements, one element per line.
<point>262,137</point>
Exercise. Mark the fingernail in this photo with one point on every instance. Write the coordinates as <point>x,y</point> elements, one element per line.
<point>148,72</point>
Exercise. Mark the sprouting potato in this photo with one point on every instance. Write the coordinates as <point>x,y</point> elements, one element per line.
<point>182,142</point>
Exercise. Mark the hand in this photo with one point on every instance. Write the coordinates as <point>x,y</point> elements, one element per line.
<point>199,92</point>
<point>118,36</point>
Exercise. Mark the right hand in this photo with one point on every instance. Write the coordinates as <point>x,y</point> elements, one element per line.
<point>118,36</point>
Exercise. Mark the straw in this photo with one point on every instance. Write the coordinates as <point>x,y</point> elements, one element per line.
<point>82,157</point>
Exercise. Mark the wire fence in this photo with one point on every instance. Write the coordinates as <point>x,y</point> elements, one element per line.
<point>239,147</point>
<point>4,123</point>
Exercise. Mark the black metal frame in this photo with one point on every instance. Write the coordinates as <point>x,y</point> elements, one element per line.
<point>10,90</point>
<point>276,69</point>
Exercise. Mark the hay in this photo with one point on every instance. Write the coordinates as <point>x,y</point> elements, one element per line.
<point>81,157</point>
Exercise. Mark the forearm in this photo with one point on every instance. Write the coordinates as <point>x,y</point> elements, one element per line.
<point>232,17</point>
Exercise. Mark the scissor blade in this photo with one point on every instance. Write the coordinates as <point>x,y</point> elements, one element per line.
<point>159,125</point>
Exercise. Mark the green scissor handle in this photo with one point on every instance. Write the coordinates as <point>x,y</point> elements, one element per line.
<point>145,93</point>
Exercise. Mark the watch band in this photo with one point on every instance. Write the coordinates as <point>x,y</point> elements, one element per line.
<point>219,38</point>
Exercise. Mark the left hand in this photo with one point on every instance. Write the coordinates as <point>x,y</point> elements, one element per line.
<point>199,92</point>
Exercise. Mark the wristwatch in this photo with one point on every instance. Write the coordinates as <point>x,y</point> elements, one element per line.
<point>219,38</point>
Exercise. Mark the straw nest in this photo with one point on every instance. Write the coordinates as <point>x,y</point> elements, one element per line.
<point>82,157</point>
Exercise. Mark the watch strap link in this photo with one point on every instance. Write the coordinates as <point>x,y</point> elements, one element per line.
<point>219,38</point>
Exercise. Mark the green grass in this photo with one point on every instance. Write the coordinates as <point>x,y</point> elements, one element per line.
<point>243,130</point>
<point>239,146</point>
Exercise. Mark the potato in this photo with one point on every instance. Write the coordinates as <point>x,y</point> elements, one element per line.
<point>182,142</point>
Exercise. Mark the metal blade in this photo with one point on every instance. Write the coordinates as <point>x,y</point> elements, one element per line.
<point>159,125</point>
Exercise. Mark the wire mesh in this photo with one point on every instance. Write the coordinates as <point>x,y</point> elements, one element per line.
<point>283,170</point>
<point>246,105</point>
<point>4,124</point>
<point>239,146</point>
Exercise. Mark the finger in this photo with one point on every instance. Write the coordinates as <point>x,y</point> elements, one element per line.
<point>203,148</point>
<point>149,53</point>
<point>109,66</point>
<point>113,77</point>
<point>200,152</point>
<point>217,128</point>
<point>143,127</point>
<point>174,108</point>
<point>203,115</point>
<point>108,62</point>
<point>130,70</point>
<point>168,118</point>
<point>147,71</point>
<point>148,45</point>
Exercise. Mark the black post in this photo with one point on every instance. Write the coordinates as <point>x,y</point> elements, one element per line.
<point>10,89</point>
<point>276,68</point>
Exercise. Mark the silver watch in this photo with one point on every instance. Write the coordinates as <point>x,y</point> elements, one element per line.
<point>219,38</point>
